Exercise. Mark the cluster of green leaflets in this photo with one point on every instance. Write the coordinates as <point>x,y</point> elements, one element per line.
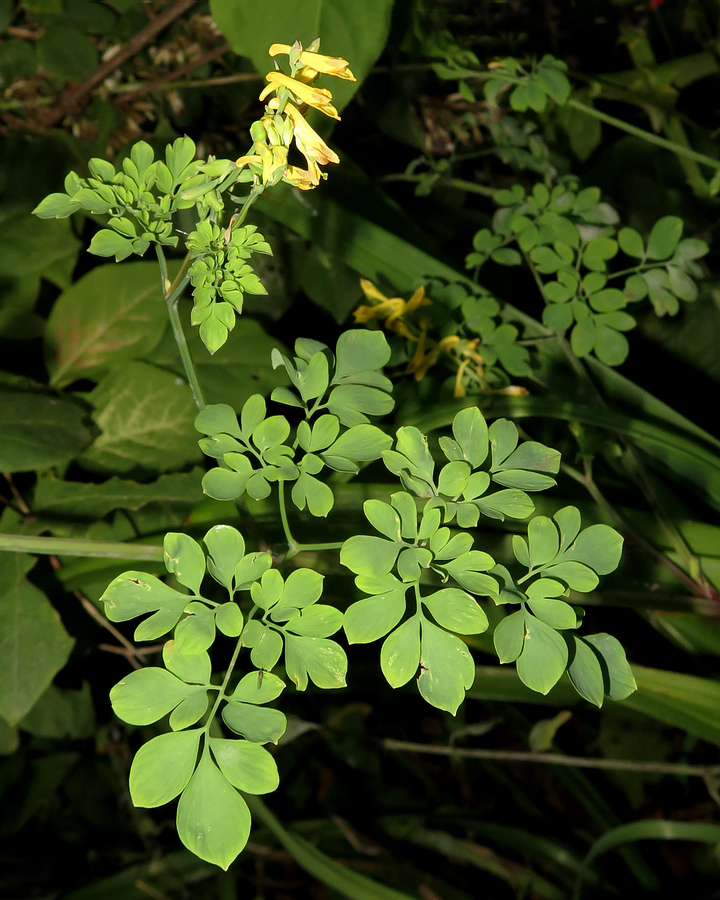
<point>141,199</point>
<point>478,315</point>
<point>194,761</point>
<point>424,584</point>
<point>220,267</point>
<point>569,237</point>
<point>529,87</point>
<point>336,393</point>
<point>419,551</point>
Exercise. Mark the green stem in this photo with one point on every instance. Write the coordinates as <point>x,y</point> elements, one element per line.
<point>556,759</point>
<point>254,194</point>
<point>172,295</point>
<point>648,136</point>
<point>52,546</point>
<point>291,542</point>
<point>302,548</point>
<point>458,183</point>
<point>221,693</point>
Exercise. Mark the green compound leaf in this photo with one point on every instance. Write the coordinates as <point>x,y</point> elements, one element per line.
<point>617,674</point>
<point>110,243</point>
<point>258,687</point>
<point>544,656</point>
<point>146,695</point>
<point>196,632</point>
<point>226,547</point>
<point>369,555</point>
<point>470,430</point>
<point>372,618</point>
<point>586,672</point>
<point>55,206</point>
<point>509,636</point>
<point>163,767</point>
<point>400,653</point>
<point>557,551</point>
<point>213,820</point>
<point>358,352</point>
<point>189,711</point>
<point>457,611</point>
<point>219,418</point>
<point>193,668</point>
<point>316,621</point>
<point>134,593</point>
<point>313,493</point>
<point>185,560</point>
<point>353,403</point>
<point>361,443</point>
<point>469,572</point>
<point>247,766</point>
<point>228,484</point>
<point>322,661</point>
<point>447,668</point>
<point>664,237</point>
<point>267,645</point>
<point>229,619</point>
<point>543,541</point>
<point>599,547</point>
<point>256,723</point>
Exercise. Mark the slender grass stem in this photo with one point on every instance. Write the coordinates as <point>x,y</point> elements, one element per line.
<point>555,759</point>
<point>648,136</point>
<point>52,546</point>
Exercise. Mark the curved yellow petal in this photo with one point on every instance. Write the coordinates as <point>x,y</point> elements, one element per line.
<point>308,141</point>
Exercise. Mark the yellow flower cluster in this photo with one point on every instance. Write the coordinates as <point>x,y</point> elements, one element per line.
<point>284,119</point>
<point>395,314</point>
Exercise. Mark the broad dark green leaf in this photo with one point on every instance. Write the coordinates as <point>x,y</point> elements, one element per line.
<point>146,420</point>
<point>39,431</point>
<point>356,33</point>
<point>110,316</point>
<point>34,645</point>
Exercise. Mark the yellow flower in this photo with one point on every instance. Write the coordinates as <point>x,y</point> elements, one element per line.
<point>308,141</point>
<point>246,160</point>
<point>318,98</point>
<point>390,308</point>
<point>325,65</point>
<point>305,179</point>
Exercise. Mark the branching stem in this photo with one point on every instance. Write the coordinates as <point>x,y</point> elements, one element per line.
<point>172,294</point>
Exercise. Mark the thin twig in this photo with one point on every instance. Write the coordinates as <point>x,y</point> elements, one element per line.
<point>556,759</point>
<point>132,48</point>
<point>177,74</point>
<point>129,649</point>
<point>21,504</point>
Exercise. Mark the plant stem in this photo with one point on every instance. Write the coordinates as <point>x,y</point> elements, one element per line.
<point>648,136</point>
<point>302,548</point>
<point>52,546</point>
<point>221,692</point>
<point>291,542</point>
<point>172,295</point>
<point>556,759</point>
<point>458,183</point>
